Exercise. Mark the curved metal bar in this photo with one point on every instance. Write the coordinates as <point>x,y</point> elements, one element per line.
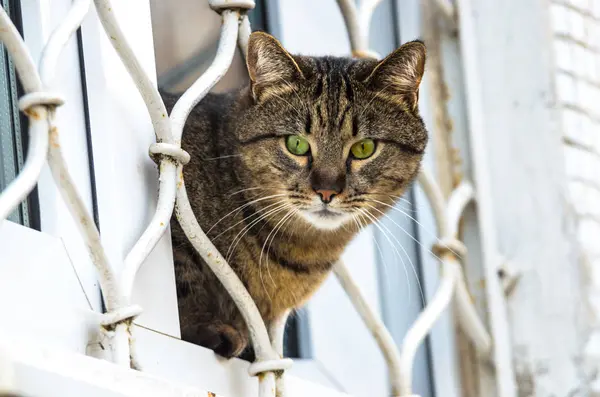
<point>466,313</point>
<point>193,95</point>
<point>459,199</point>
<point>447,217</point>
<point>267,360</point>
<point>277,336</point>
<point>59,38</point>
<point>468,318</point>
<point>365,14</point>
<point>375,324</point>
<point>154,104</point>
<point>422,326</point>
<point>350,14</point>
<point>20,187</point>
<point>244,35</point>
<point>436,200</point>
<point>162,128</point>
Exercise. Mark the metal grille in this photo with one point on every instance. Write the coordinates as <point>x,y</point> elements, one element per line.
<point>41,105</point>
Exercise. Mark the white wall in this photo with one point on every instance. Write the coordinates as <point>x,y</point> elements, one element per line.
<point>524,47</point>
<point>576,40</point>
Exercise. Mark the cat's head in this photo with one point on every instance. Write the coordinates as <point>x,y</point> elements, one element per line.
<point>332,140</point>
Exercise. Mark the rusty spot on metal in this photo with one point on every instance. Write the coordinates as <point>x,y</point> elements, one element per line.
<point>261,377</point>
<point>162,224</point>
<point>361,54</point>
<point>482,283</point>
<point>54,137</point>
<point>31,112</point>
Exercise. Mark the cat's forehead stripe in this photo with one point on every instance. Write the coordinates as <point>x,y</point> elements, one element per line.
<point>333,106</point>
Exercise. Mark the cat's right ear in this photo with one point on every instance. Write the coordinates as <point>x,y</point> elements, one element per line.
<point>272,69</point>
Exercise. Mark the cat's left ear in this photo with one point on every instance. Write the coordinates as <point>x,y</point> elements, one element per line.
<point>271,68</point>
<point>399,75</point>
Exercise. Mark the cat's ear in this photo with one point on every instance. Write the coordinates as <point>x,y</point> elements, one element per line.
<point>399,75</point>
<point>271,68</point>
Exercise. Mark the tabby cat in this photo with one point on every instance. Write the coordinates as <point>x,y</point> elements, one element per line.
<point>286,171</point>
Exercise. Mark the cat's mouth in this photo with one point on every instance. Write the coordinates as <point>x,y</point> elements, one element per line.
<point>325,217</point>
<point>327,213</point>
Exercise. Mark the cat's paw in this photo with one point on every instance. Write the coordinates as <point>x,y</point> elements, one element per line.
<point>223,339</point>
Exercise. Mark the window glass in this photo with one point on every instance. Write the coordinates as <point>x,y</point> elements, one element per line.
<point>12,124</point>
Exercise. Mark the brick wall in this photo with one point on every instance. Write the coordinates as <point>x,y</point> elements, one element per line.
<point>576,39</point>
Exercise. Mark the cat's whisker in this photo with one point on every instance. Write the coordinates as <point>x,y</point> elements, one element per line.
<point>418,223</point>
<point>244,206</point>
<point>254,222</point>
<point>386,267</point>
<point>385,264</point>
<point>253,188</point>
<point>396,252</point>
<point>261,255</point>
<point>381,226</point>
<point>399,200</point>
<point>221,157</point>
<point>247,228</point>
<point>280,202</point>
<point>275,228</point>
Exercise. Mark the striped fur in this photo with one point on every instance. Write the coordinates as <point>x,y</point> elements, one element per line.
<point>250,193</point>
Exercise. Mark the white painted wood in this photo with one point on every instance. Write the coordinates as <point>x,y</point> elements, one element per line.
<point>172,368</point>
<point>126,177</point>
<point>41,297</point>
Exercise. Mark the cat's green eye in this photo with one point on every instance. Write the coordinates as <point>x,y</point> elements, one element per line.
<point>297,145</point>
<point>363,149</point>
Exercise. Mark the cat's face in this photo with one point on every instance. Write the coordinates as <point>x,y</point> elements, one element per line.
<point>334,141</point>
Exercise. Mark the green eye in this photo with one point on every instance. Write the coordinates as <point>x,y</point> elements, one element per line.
<point>297,145</point>
<point>363,149</point>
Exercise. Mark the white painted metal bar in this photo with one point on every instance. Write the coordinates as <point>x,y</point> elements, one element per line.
<point>162,128</point>
<point>375,324</point>
<point>448,8</point>
<point>267,359</point>
<point>244,35</point>
<point>277,335</point>
<point>40,106</point>
<point>19,188</point>
<point>447,216</point>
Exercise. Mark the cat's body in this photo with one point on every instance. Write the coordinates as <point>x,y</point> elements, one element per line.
<point>277,180</point>
<point>214,189</point>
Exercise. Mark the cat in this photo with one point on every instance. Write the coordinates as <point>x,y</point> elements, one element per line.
<point>284,173</point>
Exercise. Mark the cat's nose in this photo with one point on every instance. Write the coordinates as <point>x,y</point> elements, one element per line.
<point>326,195</point>
<point>327,184</point>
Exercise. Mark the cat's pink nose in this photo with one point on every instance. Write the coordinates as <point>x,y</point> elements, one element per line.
<point>326,195</point>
